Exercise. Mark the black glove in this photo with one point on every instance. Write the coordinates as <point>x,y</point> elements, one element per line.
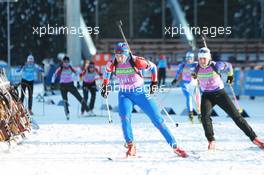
<point>78,85</point>
<point>104,91</point>
<point>230,79</point>
<point>153,87</point>
<point>174,81</point>
<point>194,75</point>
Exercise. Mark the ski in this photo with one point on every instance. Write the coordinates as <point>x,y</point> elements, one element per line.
<point>123,158</point>
<point>91,116</point>
<point>192,155</point>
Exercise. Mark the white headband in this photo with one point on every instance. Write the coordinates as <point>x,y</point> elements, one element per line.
<point>204,55</point>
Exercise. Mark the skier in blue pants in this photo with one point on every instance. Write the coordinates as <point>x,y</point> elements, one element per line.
<point>126,102</point>
<point>188,84</point>
<point>127,69</point>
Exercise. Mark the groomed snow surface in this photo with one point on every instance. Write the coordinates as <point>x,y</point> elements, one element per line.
<point>81,146</point>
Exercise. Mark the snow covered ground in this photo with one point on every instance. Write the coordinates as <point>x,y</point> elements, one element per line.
<point>81,146</point>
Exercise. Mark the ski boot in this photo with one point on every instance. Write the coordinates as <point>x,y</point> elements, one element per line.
<point>30,112</point>
<point>211,145</point>
<point>83,112</point>
<point>200,118</point>
<point>180,152</point>
<point>68,116</point>
<point>259,143</point>
<point>191,117</point>
<point>92,113</point>
<point>131,149</point>
<point>84,106</point>
<point>66,110</point>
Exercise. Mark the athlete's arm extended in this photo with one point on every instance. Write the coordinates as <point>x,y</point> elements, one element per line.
<point>142,63</point>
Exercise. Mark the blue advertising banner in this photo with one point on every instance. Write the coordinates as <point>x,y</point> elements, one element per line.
<point>254,83</point>
<point>236,83</point>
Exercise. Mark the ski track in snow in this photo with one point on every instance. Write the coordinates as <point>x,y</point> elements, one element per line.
<point>81,146</point>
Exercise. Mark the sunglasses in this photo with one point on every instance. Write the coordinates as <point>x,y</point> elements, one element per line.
<point>120,52</point>
<point>203,51</point>
<point>189,58</point>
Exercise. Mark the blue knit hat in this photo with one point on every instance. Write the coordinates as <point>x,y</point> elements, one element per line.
<point>189,55</point>
<point>121,48</point>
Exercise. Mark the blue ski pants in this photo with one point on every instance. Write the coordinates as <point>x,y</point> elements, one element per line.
<point>126,101</point>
